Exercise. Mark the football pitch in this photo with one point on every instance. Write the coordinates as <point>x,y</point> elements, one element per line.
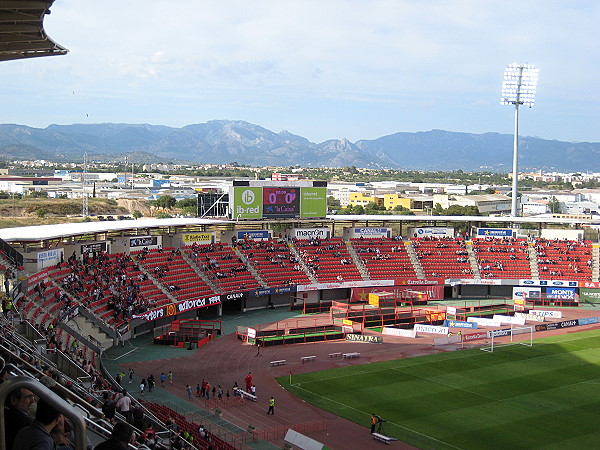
<point>545,396</point>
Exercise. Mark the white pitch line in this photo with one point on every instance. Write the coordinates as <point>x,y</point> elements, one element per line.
<point>368,414</point>
<point>125,354</point>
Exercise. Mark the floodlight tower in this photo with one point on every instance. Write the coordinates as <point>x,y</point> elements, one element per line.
<point>518,88</point>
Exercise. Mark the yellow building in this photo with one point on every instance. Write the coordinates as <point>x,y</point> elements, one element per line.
<point>390,201</point>
<point>360,198</point>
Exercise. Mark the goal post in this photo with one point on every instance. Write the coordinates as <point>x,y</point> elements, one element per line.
<point>513,336</point>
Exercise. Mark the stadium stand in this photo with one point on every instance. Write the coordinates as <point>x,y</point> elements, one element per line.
<point>222,266</point>
<point>274,262</point>
<point>560,259</point>
<point>443,257</point>
<point>384,258</point>
<point>169,269</point>
<point>502,257</point>
<point>328,259</point>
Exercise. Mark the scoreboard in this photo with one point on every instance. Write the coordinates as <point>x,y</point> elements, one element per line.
<point>272,202</point>
<point>281,202</point>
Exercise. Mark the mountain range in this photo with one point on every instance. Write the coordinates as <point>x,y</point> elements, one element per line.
<point>227,141</point>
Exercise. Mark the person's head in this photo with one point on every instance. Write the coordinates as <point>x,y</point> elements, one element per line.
<point>122,432</point>
<point>21,399</point>
<point>47,414</point>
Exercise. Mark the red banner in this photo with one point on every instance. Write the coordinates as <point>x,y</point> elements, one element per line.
<point>475,336</point>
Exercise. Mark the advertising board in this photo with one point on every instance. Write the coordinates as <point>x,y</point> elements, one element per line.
<point>494,232</point>
<point>311,233</point>
<point>560,293</point>
<point>589,295</point>
<point>94,247</point>
<point>247,203</point>
<point>371,232</point>
<point>313,202</point>
<point>525,292</point>
<point>271,202</point>
<point>253,235</point>
<point>420,328</point>
<point>49,258</point>
<point>197,237</point>
<point>143,241</point>
<point>431,232</point>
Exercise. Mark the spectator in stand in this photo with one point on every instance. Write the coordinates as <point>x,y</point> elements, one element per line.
<point>16,413</point>
<point>121,436</point>
<point>124,405</point>
<point>37,435</point>
<point>108,407</point>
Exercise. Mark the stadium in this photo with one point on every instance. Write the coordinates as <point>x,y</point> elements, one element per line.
<point>337,319</point>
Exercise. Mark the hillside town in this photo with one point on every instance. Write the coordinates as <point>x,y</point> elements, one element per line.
<point>151,182</point>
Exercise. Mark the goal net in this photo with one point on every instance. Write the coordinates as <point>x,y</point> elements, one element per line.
<point>506,338</point>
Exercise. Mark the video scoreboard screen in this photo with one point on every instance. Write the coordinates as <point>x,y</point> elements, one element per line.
<point>271,202</point>
<point>281,202</point>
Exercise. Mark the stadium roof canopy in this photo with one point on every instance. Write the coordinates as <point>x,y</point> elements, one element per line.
<point>42,233</point>
<point>22,32</point>
<point>61,230</point>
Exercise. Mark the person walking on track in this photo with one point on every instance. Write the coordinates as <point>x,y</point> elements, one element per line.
<point>271,406</point>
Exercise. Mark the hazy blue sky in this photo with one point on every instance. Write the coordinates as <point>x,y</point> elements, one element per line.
<point>322,69</point>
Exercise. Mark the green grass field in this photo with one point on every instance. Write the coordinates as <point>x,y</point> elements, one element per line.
<point>545,396</point>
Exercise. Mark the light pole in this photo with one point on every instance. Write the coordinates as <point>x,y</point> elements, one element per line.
<point>518,88</point>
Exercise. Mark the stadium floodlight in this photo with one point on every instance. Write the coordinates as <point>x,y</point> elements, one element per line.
<point>518,88</point>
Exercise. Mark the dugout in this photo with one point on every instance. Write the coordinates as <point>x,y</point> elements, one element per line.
<point>187,333</point>
<point>483,310</point>
<point>360,316</point>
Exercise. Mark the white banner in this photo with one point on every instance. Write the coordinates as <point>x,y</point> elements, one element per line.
<point>451,310</point>
<point>420,328</point>
<point>371,232</point>
<point>553,314</point>
<point>49,258</point>
<point>524,292</point>
<point>399,332</point>
<point>480,281</point>
<point>530,317</point>
<point>509,319</point>
<point>311,233</point>
<point>344,284</point>
<point>559,283</point>
<point>431,231</point>
<point>251,333</point>
<point>484,322</point>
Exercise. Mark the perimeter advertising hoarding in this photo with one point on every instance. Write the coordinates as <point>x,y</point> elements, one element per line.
<point>560,293</point>
<point>278,202</point>
<point>589,295</point>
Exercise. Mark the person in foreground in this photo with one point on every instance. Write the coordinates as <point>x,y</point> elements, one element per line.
<point>122,434</point>
<point>37,435</point>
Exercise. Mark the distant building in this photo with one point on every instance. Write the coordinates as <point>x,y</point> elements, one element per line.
<point>486,203</point>
<point>287,177</point>
<point>535,207</point>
